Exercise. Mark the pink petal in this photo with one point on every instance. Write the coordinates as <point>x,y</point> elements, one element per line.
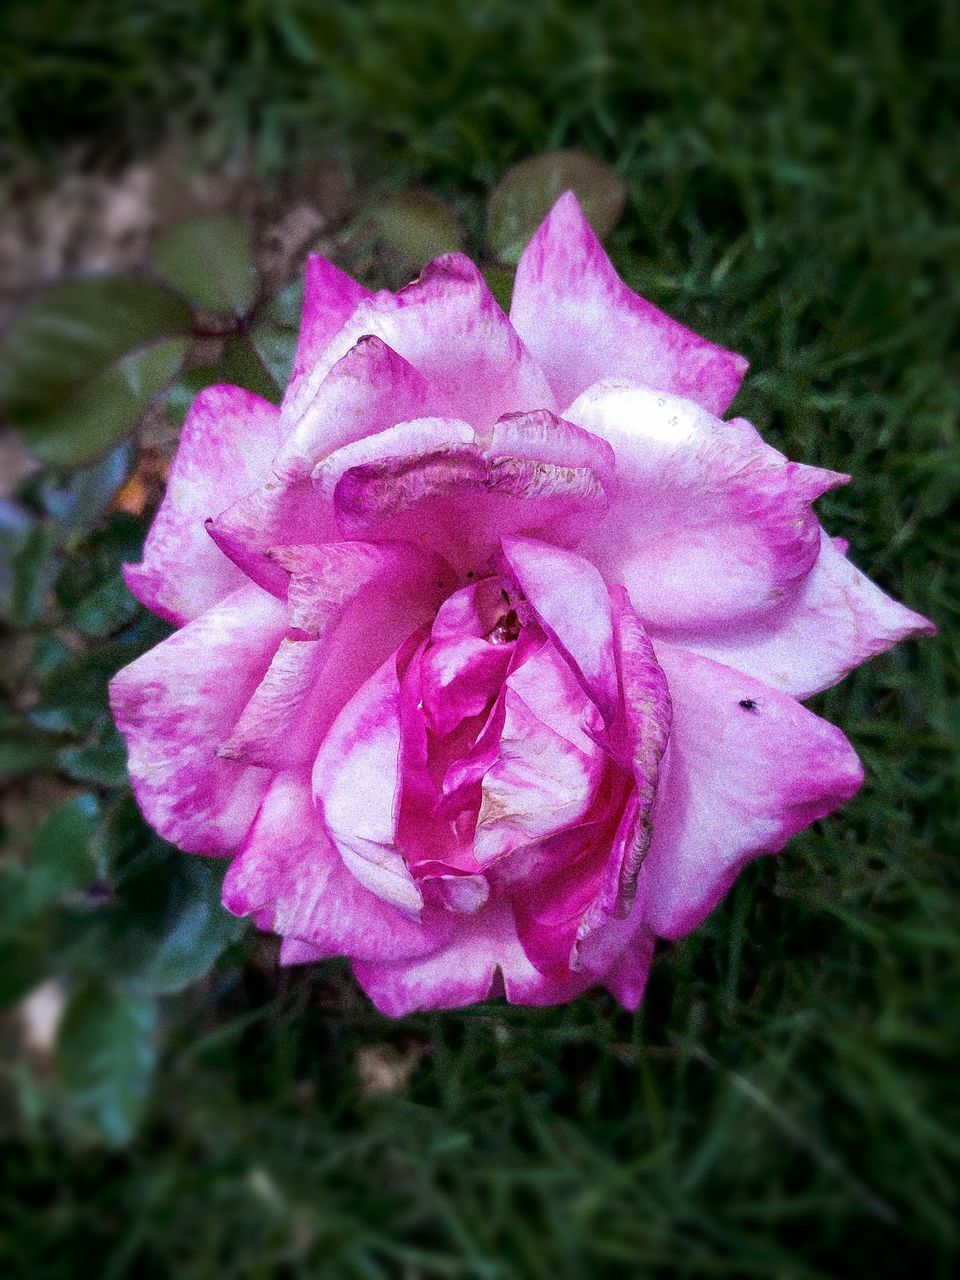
<point>627,976</point>
<point>365,392</point>
<point>357,784</point>
<point>350,605</point>
<point>546,683</point>
<point>291,877</point>
<point>330,297</point>
<point>570,600</point>
<point>836,620</point>
<point>179,702</point>
<point>367,389</point>
<point>482,958</point>
<point>709,525</point>
<point>577,915</point>
<point>539,784</point>
<point>460,679</point>
<point>582,323</point>
<point>435,482</point>
<point>225,449</point>
<point>448,325</point>
<point>747,767</point>
<point>639,739</point>
<point>296,951</point>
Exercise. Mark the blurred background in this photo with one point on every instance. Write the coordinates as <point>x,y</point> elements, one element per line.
<point>783,177</point>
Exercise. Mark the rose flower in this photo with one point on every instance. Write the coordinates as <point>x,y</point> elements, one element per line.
<point>491,638</point>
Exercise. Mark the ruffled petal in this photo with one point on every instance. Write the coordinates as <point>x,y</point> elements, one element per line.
<point>350,606</point>
<point>438,483</point>
<point>330,297</point>
<point>575,913</point>
<point>539,784</point>
<point>292,878</point>
<point>178,703</point>
<point>837,620</point>
<point>638,740</point>
<point>571,602</point>
<point>582,323</point>
<point>448,325</point>
<point>482,958</point>
<point>228,441</point>
<point>370,389</point>
<point>747,767</point>
<point>357,784</point>
<point>709,524</point>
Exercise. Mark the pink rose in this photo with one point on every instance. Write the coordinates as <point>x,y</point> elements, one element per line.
<point>491,637</point>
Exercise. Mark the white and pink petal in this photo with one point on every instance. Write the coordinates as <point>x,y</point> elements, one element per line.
<point>746,768</point>
<point>837,620</point>
<point>227,443</point>
<point>709,524</point>
<point>582,323</point>
<point>177,705</point>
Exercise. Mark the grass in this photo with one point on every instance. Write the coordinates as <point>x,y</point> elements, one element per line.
<point>785,1102</point>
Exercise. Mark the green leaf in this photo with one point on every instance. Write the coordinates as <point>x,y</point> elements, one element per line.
<point>527,192</point>
<point>28,565</point>
<point>210,261</point>
<point>24,957</point>
<point>84,359</point>
<point>61,860</point>
<point>418,226</point>
<point>123,839</point>
<point>276,347</point>
<point>74,698</point>
<point>500,283</point>
<point>183,391</point>
<point>106,1052</point>
<point>243,367</point>
<point>76,501</point>
<point>101,764</point>
<point>167,926</point>
<point>106,608</point>
<point>286,308</point>
<point>24,750</point>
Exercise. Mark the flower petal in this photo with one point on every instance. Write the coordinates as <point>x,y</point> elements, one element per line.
<point>435,482</point>
<point>449,327</point>
<point>228,440</point>
<point>539,784</point>
<point>460,679</point>
<point>175,706</point>
<point>837,619</point>
<point>357,784</point>
<point>482,958</point>
<point>350,606</point>
<point>709,524</point>
<point>582,323</point>
<point>627,976</point>
<point>290,875</point>
<point>747,767</point>
<point>368,390</point>
<point>330,297</point>
<point>571,602</point>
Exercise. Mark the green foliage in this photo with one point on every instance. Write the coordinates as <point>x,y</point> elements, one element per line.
<point>418,227</point>
<point>105,1058</point>
<point>84,359</point>
<point>528,190</point>
<point>210,261</point>
<point>784,1104</point>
